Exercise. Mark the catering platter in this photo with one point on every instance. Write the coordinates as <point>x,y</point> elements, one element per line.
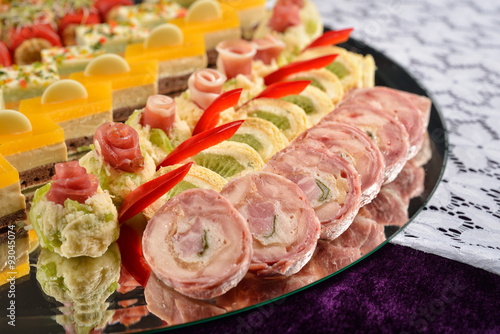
<point>127,312</point>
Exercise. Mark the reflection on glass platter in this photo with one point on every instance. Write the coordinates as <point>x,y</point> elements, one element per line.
<point>126,311</point>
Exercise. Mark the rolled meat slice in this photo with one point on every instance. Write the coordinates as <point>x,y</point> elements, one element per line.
<point>330,183</point>
<point>388,133</point>
<point>268,48</point>
<point>285,14</point>
<point>355,146</point>
<point>159,113</point>
<point>175,308</point>
<point>235,57</point>
<point>394,103</point>
<point>284,226</point>
<point>423,103</point>
<point>119,145</point>
<point>72,181</point>
<point>204,86</point>
<point>198,244</point>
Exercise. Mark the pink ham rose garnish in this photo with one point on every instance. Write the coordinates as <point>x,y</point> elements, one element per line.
<point>120,146</point>
<point>285,14</point>
<point>235,57</point>
<point>268,48</point>
<point>205,85</point>
<point>71,181</point>
<point>159,113</point>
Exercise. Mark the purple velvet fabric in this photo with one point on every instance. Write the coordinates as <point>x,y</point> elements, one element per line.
<point>397,289</point>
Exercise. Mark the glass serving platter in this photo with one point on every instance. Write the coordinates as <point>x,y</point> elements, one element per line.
<point>128,313</point>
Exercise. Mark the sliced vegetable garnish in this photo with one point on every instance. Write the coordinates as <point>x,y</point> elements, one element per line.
<point>296,67</point>
<point>204,243</point>
<point>324,190</point>
<point>332,37</point>
<point>211,115</point>
<point>199,142</point>
<point>280,89</point>
<point>5,58</point>
<point>130,244</point>
<point>144,195</point>
<point>274,227</point>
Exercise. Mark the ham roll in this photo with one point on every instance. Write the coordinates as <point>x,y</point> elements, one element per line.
<point>388,133</point>
<point>198,244</point>
<point>284,227</point>
<point>395,104</point>
<point>330,183</point>
<point>356,147</point>
<point>175,308</point>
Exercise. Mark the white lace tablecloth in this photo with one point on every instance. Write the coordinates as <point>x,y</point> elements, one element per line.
<point>453,49</point>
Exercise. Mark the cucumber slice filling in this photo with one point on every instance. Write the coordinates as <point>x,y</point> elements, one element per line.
<point>339,69</point>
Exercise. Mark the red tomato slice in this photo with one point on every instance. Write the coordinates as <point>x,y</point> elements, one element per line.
<point>43,31</point>
<point>5,58</point>
<point>105,6</point>
<point>79,17</point>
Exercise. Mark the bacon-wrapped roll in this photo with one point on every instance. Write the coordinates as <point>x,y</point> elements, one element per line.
<point>388,133</point>
<point>356,147</point>
<point>198,244</point>
<point>284,226</point>
<point>330,183</point>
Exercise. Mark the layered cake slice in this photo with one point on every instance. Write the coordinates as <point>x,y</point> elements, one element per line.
<point>78,109</point>
<point>217,21</point>
<point>70,59</point>
<point>32,145</point>
<point>111,37</point>
<point>14,239</point>
<point>25,81</point>
<point>178,56</point>
<point>250,12</point>
<point>149,15</point>
<point>132,83</point>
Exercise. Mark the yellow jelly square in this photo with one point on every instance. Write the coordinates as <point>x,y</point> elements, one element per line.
<point>229,20</point>
<point>8,174</point>
<point>20,271</point>
<point>193,45</point>
<point>243,4</point>
<point>99,100</point>
<point>44,132</point>
<point>140,74</point>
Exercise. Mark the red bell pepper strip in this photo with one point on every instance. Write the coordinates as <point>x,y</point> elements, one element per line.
<point>199,142</point>
<point>280,89</point>
<point>5,58</point>
<point>130,244</point>
<point>211,115</point>
<point>149,192</point>
<point>298,66</point>
<point>332,37</point>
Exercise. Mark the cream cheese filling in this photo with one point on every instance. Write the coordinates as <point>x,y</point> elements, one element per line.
<point>181,66</point>
<point>11,199</point>
<point>213,38</point>
<point>134,96</point>
<point>45,155</point>
<point>86,125</point>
